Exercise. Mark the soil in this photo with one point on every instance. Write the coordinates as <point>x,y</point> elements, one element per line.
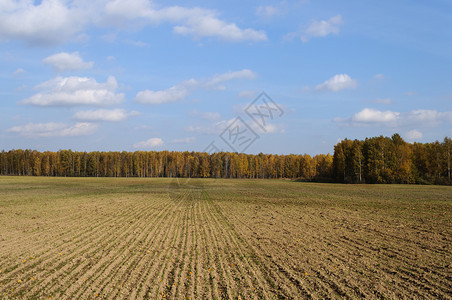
<point>85,238</point>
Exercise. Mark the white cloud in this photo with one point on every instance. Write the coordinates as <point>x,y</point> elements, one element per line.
<point>322,28</point>
<point>181,91</point>
<point>49,22</point>
<point>414,135</point>
<point>67,62</point>
<point>172,94</point>
<point>379,76</point>
<point>338,82</point>
<point>73,91</point>
<point>216,80</point>
<point>210,26</point>
<point>425,115</point>
<point>269,128</point>
<point>369,115</point>
<point>118,12</point>
<point>19,71</point>
<point>54,129</point>
<point>197,22</point>
<point>108,115</point>
<point>150,143</point>
<point>267,11</point>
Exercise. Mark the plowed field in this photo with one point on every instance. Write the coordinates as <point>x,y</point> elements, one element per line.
<point>86,238</point>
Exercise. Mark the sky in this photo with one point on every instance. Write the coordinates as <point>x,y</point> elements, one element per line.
<point>247,76</point>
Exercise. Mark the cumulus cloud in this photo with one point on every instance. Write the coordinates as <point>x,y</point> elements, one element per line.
<point>370,116</point>
<point>268,128</point>
<point>67,62</point>
<point>428,116</point>
<point>150,143</point>
<point>414,135</point>
<point>322,28</point>
<point>207,25</point>
<point>338,82</point>
<point>318,29</point>
<point>107,115</point>
<point>54,129</point>
<point>118,12</point>
<point>196,22</point>
<point>51,22</point>
<point>181,91</point>
<point>46,23</point>
<point>75,91</point>
<point>172,94</point>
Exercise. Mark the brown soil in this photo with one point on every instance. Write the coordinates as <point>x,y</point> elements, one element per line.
<point>215,239</point>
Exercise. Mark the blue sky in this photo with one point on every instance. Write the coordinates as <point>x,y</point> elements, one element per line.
<point>170,75</point>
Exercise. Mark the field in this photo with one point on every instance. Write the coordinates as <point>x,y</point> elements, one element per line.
<point>82,238</point>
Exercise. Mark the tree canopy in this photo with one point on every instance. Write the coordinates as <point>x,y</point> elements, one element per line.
<point>373,160</point>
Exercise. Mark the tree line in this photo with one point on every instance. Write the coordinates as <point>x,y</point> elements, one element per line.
<point>163,164</point>
<point>392,160</point>
<point>373,160</point>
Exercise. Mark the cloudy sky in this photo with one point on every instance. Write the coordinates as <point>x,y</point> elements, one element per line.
<point>174,75</point>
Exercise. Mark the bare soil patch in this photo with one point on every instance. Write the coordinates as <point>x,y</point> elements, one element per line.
<point>86,238</point>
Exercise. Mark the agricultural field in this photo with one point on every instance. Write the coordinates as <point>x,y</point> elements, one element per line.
<point>115,238</point>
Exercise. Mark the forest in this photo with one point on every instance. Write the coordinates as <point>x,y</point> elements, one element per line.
<point>373,160</point>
